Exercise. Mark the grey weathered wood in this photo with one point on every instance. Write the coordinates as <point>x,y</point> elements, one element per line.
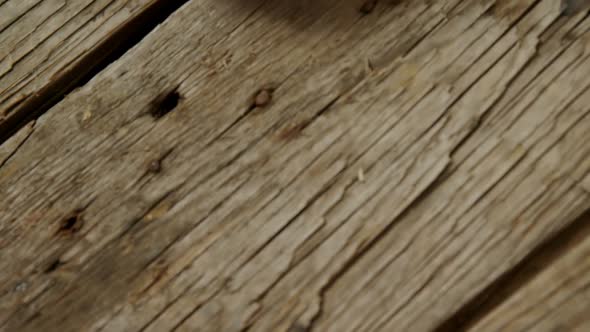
<point>45,45</point>
<point>406,160</point>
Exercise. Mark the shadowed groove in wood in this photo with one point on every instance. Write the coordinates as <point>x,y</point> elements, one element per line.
<point>537,261</point>
<point>111,48</point>
<point>514,279</point>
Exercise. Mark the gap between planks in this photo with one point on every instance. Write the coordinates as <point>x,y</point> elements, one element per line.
<point>81,69</point>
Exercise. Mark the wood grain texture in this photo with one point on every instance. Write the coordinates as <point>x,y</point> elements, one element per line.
<point>46,46</point>
<point>555,300</point>
<point>404,160</point>
<point>9,148</point>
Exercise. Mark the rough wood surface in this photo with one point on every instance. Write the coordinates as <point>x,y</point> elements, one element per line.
<point>47,45</point>
<point>555,300</point>
<point>395,164</point>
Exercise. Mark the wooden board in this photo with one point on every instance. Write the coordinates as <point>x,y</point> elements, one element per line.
<point>48,46</point>
<point>555,300</point>
<point>398,163</point>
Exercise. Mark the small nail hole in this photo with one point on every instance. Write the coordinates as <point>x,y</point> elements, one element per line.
<point>368,7</point>
<point>71,224</point>
<point>53,266</point>
<point>165,103</point>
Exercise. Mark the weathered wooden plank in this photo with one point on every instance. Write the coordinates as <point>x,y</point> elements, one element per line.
<point>555,300</point>
<point>514,181</point>
<point>403,156</point>
<point>46,46</point>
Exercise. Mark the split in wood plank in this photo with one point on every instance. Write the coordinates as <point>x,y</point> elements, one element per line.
<point>557,298</point>
<point>48,47</point>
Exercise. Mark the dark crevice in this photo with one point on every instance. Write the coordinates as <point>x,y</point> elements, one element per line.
<point>368,7</point>
<point>53,265</point>
<point>165,103</point>
<point>541,258</point>
<point>109,50</point>
<point>71,225</point>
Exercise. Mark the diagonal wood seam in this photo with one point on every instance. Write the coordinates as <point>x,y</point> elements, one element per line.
<point>83,69</point>
<point>533,264</point>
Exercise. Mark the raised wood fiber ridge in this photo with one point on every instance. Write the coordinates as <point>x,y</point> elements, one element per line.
<point>310,166</point>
